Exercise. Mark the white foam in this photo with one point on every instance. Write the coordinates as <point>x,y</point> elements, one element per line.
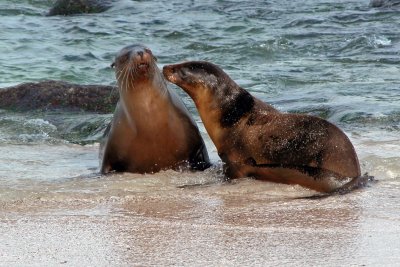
<point>380,41</point>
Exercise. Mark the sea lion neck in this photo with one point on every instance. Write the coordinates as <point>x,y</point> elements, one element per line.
<point>146,98</point>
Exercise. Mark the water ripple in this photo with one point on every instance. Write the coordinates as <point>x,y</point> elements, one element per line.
<point>290,53</point>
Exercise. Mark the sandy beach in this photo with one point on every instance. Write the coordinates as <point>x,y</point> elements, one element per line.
<point>161,223</point>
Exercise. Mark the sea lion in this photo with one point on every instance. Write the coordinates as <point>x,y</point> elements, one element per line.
<point>254,139</point>
<point>151,129</point>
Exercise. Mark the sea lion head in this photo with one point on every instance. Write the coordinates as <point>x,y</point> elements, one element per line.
<point>196,77</point>
<point>211,89</point>
<point>134,64</point>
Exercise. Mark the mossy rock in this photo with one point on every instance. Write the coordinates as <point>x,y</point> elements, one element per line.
<point>55,95</point>
<point>70,7</point>
<point>384,3</point>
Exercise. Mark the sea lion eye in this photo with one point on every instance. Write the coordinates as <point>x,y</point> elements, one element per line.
<point>183,73</point>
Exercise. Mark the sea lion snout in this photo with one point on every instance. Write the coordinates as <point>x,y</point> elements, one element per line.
<point>135,62</point>
<point>143,55</point>
<point>183,76</point>
<point>142,59</point>
<point>180,73</point>
<point>137,56</point>
<point>169,72</point>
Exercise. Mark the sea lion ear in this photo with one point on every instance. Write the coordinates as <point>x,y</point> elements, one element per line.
<point>112,65</point>
<point>155,58</point>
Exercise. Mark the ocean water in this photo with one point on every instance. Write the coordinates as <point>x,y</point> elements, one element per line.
<point>339,60</point>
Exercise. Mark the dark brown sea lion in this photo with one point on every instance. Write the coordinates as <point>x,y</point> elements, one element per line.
<point>255,140</point>
<point>151,129</point>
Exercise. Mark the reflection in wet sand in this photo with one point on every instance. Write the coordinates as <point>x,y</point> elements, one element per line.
<point>191,219</point>
<point>223,224</point>
<point>226,228</point>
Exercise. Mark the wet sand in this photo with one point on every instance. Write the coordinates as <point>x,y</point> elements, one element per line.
<point>159,223</point>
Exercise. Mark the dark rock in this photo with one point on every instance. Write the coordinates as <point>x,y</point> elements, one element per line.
<point>384,3</point>
<point>52,95</point>
<point>69,7</point>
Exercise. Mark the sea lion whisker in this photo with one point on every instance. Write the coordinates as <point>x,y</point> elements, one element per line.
<point>135,69</point>
<point>131,79</point>
<point>121,79</point>
<point>126,81</point>
<point>121,75</point>
<point>164,85</point>
<point>125,78</point>
<point>118,74</point>
<point>121,72</point>
<point>114,88</point>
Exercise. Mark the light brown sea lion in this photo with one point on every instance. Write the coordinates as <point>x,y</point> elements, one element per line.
<point>255,140</point>
<point>151,129</point>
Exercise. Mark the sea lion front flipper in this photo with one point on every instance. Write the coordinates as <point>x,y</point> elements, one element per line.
<point>199,159</point>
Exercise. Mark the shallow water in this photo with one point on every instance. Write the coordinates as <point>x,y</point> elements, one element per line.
<point>335,59</point>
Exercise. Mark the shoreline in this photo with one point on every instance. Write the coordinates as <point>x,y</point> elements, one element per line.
<point>199,226</point>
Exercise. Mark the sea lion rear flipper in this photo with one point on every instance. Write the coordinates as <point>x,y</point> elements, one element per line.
<point>321,175</point>
<point>355,183</point>
<point>316,172</point>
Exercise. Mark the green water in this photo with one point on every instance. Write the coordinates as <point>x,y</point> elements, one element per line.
<point>337,59</point>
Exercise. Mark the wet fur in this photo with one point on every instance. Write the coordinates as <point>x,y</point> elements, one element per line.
<point>254,139</point>
<point>151,129</point>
